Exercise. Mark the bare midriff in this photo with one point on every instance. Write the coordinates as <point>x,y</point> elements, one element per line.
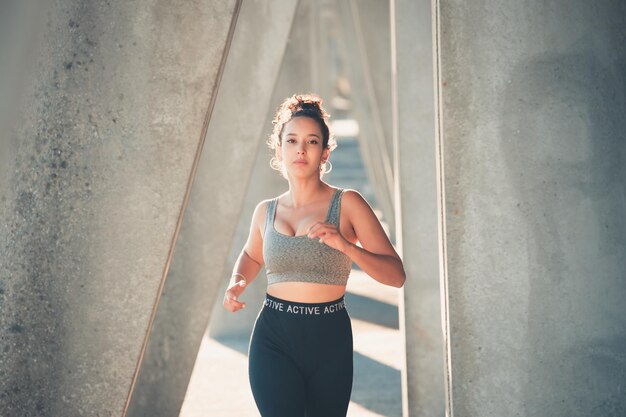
<point>306,292</point>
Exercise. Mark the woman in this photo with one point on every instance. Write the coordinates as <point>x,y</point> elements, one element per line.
<point>300,353</point>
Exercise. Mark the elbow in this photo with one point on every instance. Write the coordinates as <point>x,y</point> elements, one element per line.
<point>402,278</point>
<point>400,275</point>
<point>399,283</point>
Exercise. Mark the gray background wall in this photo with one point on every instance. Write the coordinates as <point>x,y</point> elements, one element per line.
<point>532,105</point>
<point>415,187</point>
<point>111,119</point>
<point>295,75</point>
<point>216,203</point>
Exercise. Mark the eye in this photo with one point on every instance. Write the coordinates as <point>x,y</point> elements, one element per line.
<point>290,140</point>
<point>314,141</point>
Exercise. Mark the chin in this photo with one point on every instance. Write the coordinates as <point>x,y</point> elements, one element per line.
<point>301,174</point>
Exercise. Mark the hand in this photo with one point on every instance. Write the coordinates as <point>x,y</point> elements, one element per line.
<point>329,235</point>
<point>231,296</point>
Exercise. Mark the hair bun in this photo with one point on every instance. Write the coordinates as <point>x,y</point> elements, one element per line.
<point>308,103</point>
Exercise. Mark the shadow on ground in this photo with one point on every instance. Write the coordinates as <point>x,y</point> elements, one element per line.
<point>373,311</point>
<point>376,386</point>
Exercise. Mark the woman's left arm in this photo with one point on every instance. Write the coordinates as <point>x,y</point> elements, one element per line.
<point>377,256</point>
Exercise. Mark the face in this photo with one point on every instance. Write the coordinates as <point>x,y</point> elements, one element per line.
<point>301,147</point>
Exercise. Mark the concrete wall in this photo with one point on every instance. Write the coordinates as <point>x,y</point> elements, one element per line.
<point>416,208</point>
<point>21,26</point>
<point>295,76</point>
<point>197,272</point>
<point>363,37</point>
<point>532,105</point>
<point>110,126</point>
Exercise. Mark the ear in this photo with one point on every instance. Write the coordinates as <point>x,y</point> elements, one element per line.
<point>325,154</point>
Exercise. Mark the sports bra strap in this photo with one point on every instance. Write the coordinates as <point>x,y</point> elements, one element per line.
<point>335,204</point>
<point>270,214</point>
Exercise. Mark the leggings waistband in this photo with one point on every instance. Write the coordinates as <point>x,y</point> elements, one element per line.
<point>304,309</point>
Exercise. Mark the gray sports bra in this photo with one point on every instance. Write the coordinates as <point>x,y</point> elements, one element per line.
<point>299,258</point>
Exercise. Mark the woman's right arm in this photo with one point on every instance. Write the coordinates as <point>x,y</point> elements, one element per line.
<point>249,262</point>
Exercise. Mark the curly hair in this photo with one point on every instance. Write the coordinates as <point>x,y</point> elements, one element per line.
<point>307,105</point>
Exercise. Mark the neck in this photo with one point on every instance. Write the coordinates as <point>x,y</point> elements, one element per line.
<point>304,192</point>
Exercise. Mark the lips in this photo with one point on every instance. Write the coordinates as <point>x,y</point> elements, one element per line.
<point>300,161</point>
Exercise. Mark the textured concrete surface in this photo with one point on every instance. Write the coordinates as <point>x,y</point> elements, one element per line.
<point>197,270</point>
<point>294,76</point>
<point>110,125</point>
<point>363,43</point>
<point>219,385</point>
<point>21,27</point>
<point>416,196</point>
<point>532,117</point>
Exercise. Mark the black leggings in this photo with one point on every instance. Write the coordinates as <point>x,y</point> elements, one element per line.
<point>300,359</point>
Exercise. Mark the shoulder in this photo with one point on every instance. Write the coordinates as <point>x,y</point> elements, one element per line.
<point>276,199</point>
<point>358,209</point>
<point>354,205</point>
<point>353,199</point>
<point>263,204</point>
<point>260,211</point>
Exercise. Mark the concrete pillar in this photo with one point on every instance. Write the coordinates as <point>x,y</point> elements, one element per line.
<point>371,20</point>
<point>531,132</point>
<point>110,129</point>
<point>217,200</point>
<point>295,76</point>
<point>416,207</point>
<point>366,55</point>
<point>21,27</point>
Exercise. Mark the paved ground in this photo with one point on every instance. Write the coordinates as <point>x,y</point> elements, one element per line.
<point>219,384</point>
